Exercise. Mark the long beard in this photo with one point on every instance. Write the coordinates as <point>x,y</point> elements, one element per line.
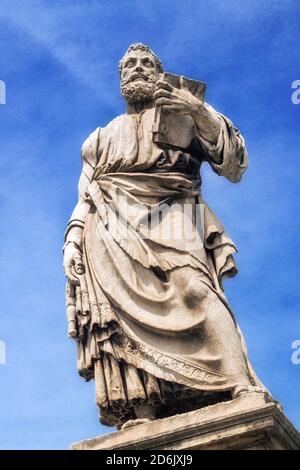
<point>138,91</point>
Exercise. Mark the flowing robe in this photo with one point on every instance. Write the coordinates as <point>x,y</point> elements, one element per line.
<point>153,324</point>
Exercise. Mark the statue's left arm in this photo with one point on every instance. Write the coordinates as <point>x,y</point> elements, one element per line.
<point>222,144</point>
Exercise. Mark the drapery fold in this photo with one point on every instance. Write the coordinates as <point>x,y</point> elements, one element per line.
<point>150,313</point>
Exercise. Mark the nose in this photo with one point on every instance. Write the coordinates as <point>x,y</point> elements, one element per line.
<point>139,68</point>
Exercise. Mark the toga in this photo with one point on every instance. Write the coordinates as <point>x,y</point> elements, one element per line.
<point>153,324</point>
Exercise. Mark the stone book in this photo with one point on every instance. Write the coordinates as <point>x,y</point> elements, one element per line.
<point>175,130</point>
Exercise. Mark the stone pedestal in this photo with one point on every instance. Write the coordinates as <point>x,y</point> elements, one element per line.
<point>248,422</point>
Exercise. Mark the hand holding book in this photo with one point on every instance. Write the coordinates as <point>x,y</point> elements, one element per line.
<point>177,99</point>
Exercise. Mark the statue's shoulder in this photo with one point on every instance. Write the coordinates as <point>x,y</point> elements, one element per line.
<point>89,149</point>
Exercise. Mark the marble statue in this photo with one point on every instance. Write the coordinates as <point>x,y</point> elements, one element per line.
<point>145,256</point>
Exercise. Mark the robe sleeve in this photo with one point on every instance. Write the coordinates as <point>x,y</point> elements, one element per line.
<point>228,157</point>
<point>89,156</point>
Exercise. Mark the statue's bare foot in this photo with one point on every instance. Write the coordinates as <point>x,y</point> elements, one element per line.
<point>135,422</point>
<point>242,389</point>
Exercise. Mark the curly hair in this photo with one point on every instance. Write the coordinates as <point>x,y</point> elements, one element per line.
<point>142,47</point>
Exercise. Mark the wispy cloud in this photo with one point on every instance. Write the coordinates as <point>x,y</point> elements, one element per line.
<point>72,43</point>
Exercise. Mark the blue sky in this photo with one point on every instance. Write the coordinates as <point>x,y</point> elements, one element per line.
<point>59,61</point>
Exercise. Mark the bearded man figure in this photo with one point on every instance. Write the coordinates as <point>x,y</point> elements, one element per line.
<point>152,324</point>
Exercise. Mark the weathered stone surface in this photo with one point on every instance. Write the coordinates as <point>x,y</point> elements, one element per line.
<point>145,256</point>
<point>248,422</point>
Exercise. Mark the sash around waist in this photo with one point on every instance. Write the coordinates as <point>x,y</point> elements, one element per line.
<point>156,184</point>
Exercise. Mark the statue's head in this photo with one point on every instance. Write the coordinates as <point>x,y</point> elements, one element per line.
<point>139,69</point>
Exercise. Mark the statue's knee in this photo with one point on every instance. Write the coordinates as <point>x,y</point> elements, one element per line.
<point>195,296</point>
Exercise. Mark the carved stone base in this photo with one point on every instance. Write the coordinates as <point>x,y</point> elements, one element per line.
<point>248,422</point>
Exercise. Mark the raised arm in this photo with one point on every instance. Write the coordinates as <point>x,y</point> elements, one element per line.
<point>222,144</point>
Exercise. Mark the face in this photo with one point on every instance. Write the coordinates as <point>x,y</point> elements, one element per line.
<point>138,66</point>
<point>138,76</point>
